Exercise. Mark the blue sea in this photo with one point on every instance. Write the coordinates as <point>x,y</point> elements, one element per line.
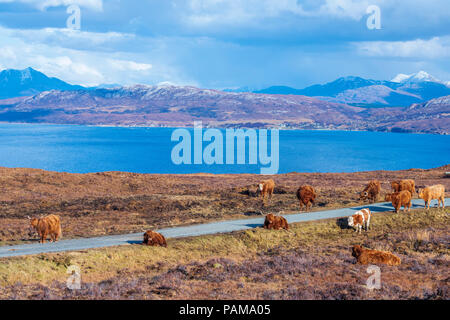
<point>82,149</point>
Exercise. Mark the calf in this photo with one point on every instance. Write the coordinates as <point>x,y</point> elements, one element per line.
<point>49,225</point>
<point>368,256</point>
<point>152,238</point>
<point>275,222</point>
<point>371,191</point>
<point>306,196</point>
<point>399,199</point>
<point>265,188</point>
<point>360,219</point>
<point>433,192</point>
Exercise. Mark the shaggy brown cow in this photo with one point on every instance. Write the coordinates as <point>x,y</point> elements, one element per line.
<point>371,191</point>
<point>152,238</point>
<point>360,219</point>
<point>275,222</point>
<point>306,196</point>
<point>265,188</point>
<point>49,225</point>
<point>368,256</point>
<point>399,199</point>
<point>406,184</point>
<point>433,192</point>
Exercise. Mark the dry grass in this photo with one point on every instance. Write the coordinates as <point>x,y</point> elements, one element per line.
<point>116,202</point>
<point>313,261</point>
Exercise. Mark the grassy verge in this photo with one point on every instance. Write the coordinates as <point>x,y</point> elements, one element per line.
<point>417,237</point>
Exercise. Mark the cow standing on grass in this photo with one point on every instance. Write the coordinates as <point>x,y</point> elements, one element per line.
<point>405,184</point>
<point>265,189</point>
<point>399,199</point>
<point>306,196</point>
<point>371,191</point>
<point>433,192</point>
<point>49,225</point>
<point>360,219</point>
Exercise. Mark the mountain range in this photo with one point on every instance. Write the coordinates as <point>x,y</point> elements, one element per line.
<point>403,90</point>
<point>180,106</point>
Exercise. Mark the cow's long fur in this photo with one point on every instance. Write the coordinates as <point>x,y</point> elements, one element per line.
<point>368,256</point>
<point>152,238</point>
<point>371,191</point>
<point>400,199</point>
<point>49,225</point>
<point>306,196</point>
<point>433,192</point>
<point>405,184</point>
<point>275,222</point>
<point>360,219</point>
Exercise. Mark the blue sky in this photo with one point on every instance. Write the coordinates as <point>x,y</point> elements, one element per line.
<point>225,43</point>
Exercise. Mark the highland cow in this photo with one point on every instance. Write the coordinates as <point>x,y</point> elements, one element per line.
<point>360,219</point>
<point>265,188</point>
<point>368,256</point>
<point>49,225</point>
<point>406,184</point>
<point>433,192</point>
<point>399,199</point>
<point>371,191</point>
<point>275,222</point>
<point>306,196</point>
<point>152,238</point>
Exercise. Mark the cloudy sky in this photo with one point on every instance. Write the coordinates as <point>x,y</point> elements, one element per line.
<point>225,43</point>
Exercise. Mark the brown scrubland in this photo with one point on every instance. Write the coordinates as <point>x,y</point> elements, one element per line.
<point>312,261</point>
<point>118,202</point>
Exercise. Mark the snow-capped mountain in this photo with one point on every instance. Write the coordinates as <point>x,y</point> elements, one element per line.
<point>420,76</point>
<point>402,90</point>
<point>27,82</point>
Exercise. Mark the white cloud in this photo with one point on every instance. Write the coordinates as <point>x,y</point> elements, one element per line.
<point>437,47</point>
<point>204,12</point>
<point>96,5</point>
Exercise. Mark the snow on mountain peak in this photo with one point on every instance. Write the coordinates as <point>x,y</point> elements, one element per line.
<point>420,76</point>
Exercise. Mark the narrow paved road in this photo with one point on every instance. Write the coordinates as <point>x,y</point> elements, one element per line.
<point>189,231</point>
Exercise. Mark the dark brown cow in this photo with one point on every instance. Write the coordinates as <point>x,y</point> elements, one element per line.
<point>306,196</point>
<point>371,191</point>
<point>152,238</point>
<point>399,199</point>
<point>275,222</point>
<point>49,225</point>
<point>368,256</point>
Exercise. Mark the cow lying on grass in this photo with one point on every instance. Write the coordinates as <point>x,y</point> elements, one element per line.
<point>306,196</point>
<point>433,192</point>
<point>368,256</point>
<point>275,222</point>
<point>360,219</point>
<point>152,238</point>
<point>49,225</point>
<point>371,191</point>
<point>265,189</point>
<point>400,199</point>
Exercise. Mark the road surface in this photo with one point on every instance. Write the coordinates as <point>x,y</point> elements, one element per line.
<point>188,231</point>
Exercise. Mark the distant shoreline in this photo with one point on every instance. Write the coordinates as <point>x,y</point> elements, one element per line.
<point>216,127</point>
